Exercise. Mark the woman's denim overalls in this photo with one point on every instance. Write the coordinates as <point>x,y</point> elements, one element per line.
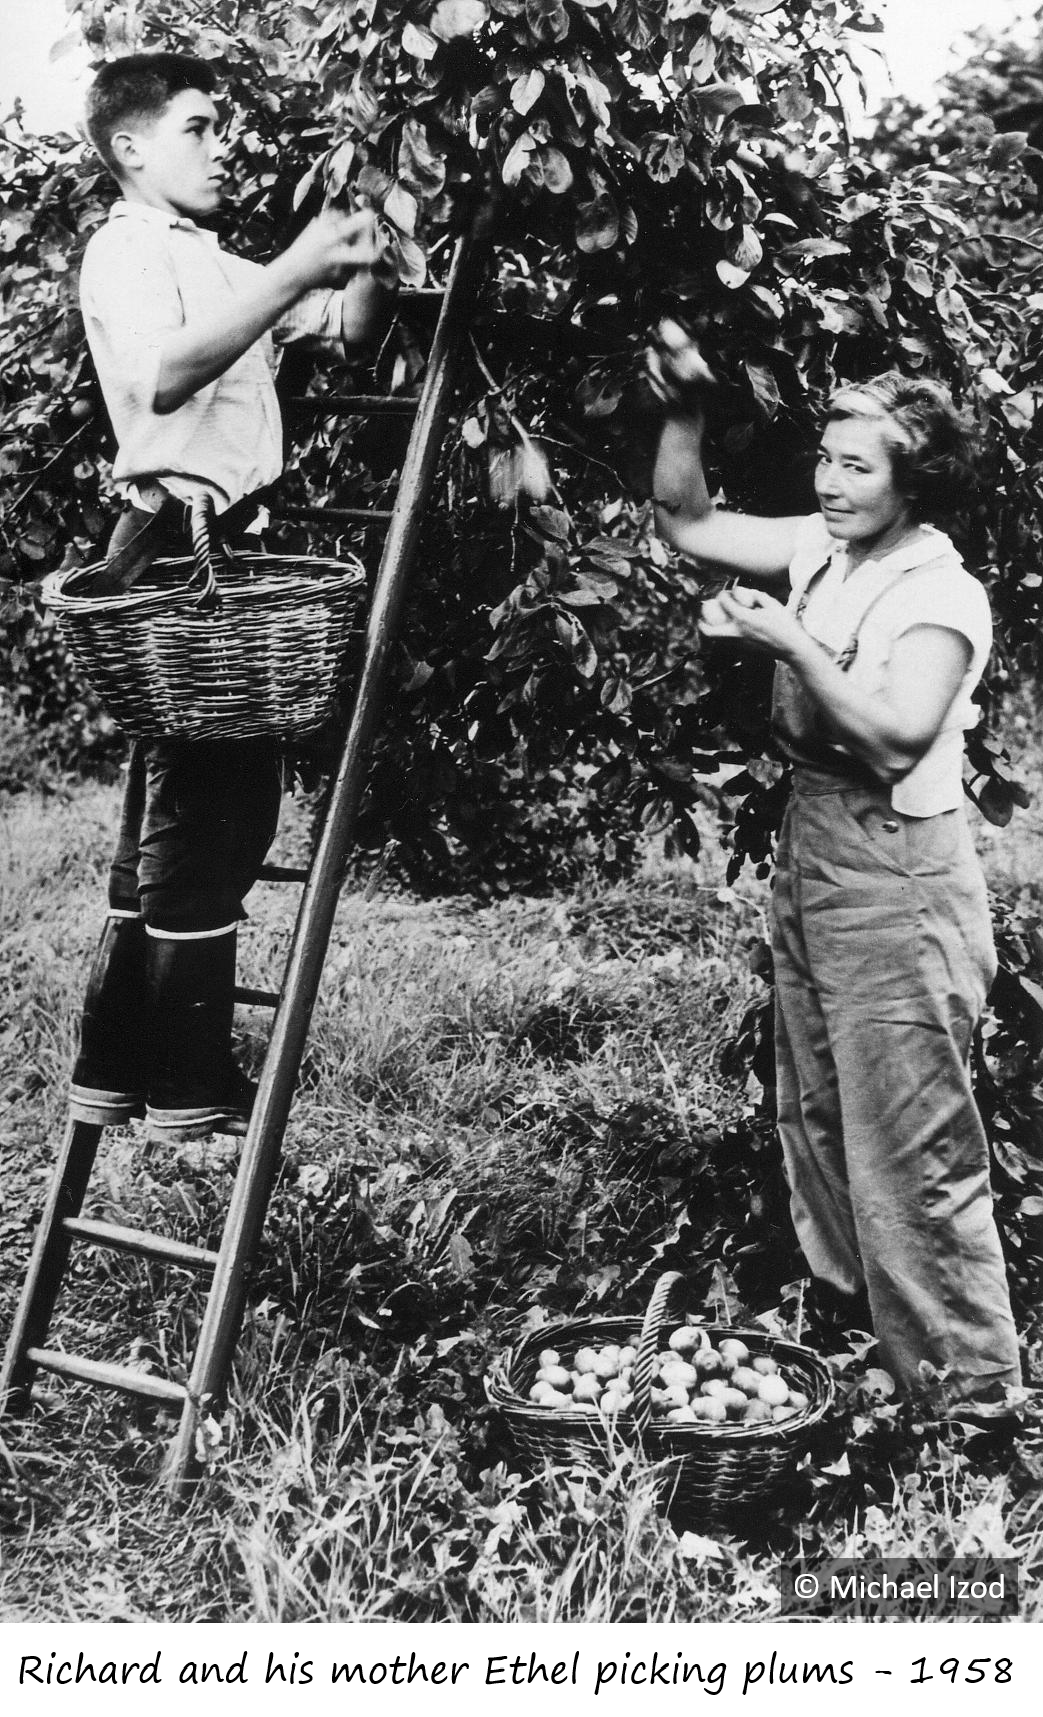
<point>883,959</point>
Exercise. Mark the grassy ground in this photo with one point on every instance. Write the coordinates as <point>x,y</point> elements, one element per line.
<point>505,1115</point>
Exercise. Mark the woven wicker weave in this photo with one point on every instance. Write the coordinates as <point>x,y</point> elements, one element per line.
<point>179,656</point>
<point>706,1471</point>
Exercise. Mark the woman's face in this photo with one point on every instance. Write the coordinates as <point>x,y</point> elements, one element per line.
<point>854,482</point>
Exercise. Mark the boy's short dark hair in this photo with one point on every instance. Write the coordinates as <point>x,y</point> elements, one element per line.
<point>138,87</point>
<point>930,442</point>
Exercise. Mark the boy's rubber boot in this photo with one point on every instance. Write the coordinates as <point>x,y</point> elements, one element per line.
<point>110,1074</point>
<point>196,1088</point>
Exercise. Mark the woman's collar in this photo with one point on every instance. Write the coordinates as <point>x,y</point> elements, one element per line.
<point>926,544</point>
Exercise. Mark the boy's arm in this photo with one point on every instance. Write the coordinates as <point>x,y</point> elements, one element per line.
<point>363,307</point>
<point>331,249</point>
<point>352,317</point>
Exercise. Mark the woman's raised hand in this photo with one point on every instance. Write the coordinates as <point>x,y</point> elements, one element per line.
<point>677,371</point>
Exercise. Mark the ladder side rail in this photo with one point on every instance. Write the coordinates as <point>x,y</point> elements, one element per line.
<point>47,1264</point>
<point>249,1200</point>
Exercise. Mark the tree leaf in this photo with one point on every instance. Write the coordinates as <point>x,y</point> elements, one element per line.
<point>461,1255</point>
<point>731,276</point>
<point>547,19</point>
<point>770,300</point>
<point>747,252</point>
<point>1006,147</point>
<point>816,247</point>
<point>552,523</point>
<point>638,24</point>
<point>372,183</point>
<point>599,394</point>
<point>518,157</point>
<point>400,206</point>
<point>597,224</point>
<point>720,98</point>
<point>996,802</point>
<point>420,169</point>
<point>857,207</point>
<point>532,470</point>
<point>918,278</point>
<point>557,174</point>
<point>663,155</point>
<point>452,18</point>
<point>793,100</point>
<point>418,41</point>
<point>308,179</point>
<point>577,642</point>
<point>765,388</point>
<point>362,104</point>
<point>338,165</point>
<point>409,259</point>
<point>527,89</point>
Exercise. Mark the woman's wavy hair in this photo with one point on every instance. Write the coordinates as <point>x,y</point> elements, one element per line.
<point>931,443</point>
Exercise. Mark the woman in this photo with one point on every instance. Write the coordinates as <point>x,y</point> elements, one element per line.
<point>881,933</point>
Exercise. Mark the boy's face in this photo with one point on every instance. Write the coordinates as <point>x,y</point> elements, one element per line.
<point>174,162</point>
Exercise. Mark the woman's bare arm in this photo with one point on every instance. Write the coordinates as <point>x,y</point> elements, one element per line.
<point>889,730</point>
<point>687,519</point>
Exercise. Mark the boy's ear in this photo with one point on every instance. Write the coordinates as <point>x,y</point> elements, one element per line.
<point>125,151</point>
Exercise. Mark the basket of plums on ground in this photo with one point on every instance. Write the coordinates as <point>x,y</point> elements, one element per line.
<point>727,1411</point>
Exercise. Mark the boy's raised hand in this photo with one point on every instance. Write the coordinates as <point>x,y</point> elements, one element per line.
<point>334,246</point>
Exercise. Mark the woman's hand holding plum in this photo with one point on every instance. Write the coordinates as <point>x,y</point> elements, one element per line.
<point>754,617</point>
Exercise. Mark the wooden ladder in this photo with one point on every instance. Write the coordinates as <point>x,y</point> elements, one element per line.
<point>61,1223</point>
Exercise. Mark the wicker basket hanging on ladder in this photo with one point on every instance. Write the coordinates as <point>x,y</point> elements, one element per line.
<point>705,1471</point>
<point>180,656</point>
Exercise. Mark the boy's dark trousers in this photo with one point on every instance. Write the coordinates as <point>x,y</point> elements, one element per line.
<point>198,818</point>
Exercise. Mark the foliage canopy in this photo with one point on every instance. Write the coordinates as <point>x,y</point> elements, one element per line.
<point>642,157</point>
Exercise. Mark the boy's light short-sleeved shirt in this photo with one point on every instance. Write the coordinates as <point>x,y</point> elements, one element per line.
<point>925,584</point>
<point>146,273</point>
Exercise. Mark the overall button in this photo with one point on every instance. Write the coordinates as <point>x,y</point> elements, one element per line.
<point>889,827</point>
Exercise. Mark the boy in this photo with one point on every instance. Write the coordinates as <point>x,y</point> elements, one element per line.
<point>183,337</point>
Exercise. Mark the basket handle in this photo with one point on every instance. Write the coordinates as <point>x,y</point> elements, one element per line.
<point>202,579</point>
<point>660,1306</point>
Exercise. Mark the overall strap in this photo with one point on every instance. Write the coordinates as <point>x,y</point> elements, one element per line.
<point>850,650</point>
<point>847,653</point>
<point>817,575</point>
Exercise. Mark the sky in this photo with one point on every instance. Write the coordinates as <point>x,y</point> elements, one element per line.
<point>918,41</point>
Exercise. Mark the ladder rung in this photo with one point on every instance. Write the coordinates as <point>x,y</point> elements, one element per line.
<point>257,998</point>
<point>137,1241</point>
<point>336,515</point>
<point>357,404</point>
<point>282,873</point>
<point>107,1376</point>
